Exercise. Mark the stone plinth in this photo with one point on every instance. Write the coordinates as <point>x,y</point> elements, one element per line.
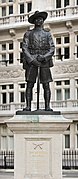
<point>38,145</point>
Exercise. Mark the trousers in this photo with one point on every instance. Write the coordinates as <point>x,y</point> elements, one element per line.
<point>32,72</point>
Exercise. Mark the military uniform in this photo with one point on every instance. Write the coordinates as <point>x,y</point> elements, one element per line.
<point>38,47</point>
<point>37,43</point>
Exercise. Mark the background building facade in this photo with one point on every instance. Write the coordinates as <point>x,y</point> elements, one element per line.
<point>62,22</point>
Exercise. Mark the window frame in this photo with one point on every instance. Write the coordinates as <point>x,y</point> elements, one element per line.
<point>67,146</point>
<point>60,55</point>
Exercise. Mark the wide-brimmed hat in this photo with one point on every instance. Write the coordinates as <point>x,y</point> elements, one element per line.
<point>37,14</point>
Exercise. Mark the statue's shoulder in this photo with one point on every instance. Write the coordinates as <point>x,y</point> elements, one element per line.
<point>46,29</point>
<point>27,33</point>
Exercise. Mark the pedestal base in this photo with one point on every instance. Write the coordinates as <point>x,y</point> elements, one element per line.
<point>38,145</point>
<point>38,112</point>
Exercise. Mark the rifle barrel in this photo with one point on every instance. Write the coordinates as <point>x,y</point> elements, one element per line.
<point>38,87</point>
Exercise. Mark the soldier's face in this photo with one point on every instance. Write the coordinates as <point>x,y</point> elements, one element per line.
<point>38,21</point>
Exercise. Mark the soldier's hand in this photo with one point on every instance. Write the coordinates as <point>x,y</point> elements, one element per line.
<point>41,58</point>
<point>36,63</point>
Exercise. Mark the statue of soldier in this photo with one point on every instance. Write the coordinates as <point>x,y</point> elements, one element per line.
<point>38,49</point>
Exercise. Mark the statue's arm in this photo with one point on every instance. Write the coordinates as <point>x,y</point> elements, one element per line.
<point>27,57</point>
<point>50,53</point>
<point>26,54</point>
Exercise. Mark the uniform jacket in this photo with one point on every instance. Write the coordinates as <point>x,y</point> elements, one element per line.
<point>37,42</point>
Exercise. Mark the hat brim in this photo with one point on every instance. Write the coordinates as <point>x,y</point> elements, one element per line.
<point>35,15</point>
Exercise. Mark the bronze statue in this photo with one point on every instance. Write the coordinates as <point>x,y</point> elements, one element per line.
<point>38,49</point>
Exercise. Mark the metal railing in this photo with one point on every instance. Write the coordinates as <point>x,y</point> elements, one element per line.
<point>6,159</point>
<point>70,159</point>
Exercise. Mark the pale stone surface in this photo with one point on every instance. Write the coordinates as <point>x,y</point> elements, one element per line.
<point>38,146</point>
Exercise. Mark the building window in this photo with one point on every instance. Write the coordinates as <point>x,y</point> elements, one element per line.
<point>25,7</point>
<point>67,93</point>
<point>21,45</point>
<point>20,54</point>
<point>62,50</point>
<point>58,40</point>
<point>21,8</point>
<point>3,87</point>
<point>3,57</point>
<point>58,3</point>
<point>77,93</point>
<point>77,51</point>
<point>76,81</point>
<point>76,46</point>
<point>66,52</point>
<point>67,141</point>
<point>11,97</point>
<point>6,52</point>
<point>62,90</point>
<point>76,85</point>
<point>11,9</point>
<point>6,8</point>
<point>4,11</point>
<point>21,57</point>
<point>77,127</point>
<point>58,83</point>
<point>67,82</point>
<point>11,86</point>
<point>3,98</point>
<point>22,92</point>
<point>10,46</point>
<point>58,94</point>
<point>66,39</point>
<point>29,6</point>
<point>66,3</point>
<point>7,93</point>
<point>58,53</point>
<point>3,46</point>
<point>22,96</point>
<point>77,38</point>
<point>77,140</point>
<point>22,85</point>
<point>10,58</point>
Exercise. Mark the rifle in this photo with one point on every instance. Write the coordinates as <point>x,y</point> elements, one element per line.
<point>38,87</point>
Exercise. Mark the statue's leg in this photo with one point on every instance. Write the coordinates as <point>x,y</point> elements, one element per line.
<point>47,95</point>
<point>29,96</point>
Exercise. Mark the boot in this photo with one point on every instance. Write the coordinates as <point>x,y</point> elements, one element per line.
<point>28,105</point>
<point>28,97</point>
<point>28,108</point>
<point>47,95</point>
<point>47,105</point>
